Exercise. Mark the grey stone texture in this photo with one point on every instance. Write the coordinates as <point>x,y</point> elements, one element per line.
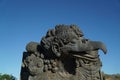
<point>63,54</point>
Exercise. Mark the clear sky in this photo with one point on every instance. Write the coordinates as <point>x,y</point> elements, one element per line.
<point>22,21</point>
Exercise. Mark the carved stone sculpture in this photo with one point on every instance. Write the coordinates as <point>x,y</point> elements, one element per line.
<point>63,54</point>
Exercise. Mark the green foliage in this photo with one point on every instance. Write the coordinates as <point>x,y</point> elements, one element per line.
<point>113,76</point>
<point>7,77</point>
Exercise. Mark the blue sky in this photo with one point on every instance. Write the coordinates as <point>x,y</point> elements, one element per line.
<point>22,21</point>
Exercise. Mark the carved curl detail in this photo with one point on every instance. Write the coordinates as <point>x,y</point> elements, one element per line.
<point>58,37</point>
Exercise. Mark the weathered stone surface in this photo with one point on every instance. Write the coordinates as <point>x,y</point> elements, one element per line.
<point>63,54</point>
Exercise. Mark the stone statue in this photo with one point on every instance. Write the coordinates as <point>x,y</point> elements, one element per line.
<point>63,54</point>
